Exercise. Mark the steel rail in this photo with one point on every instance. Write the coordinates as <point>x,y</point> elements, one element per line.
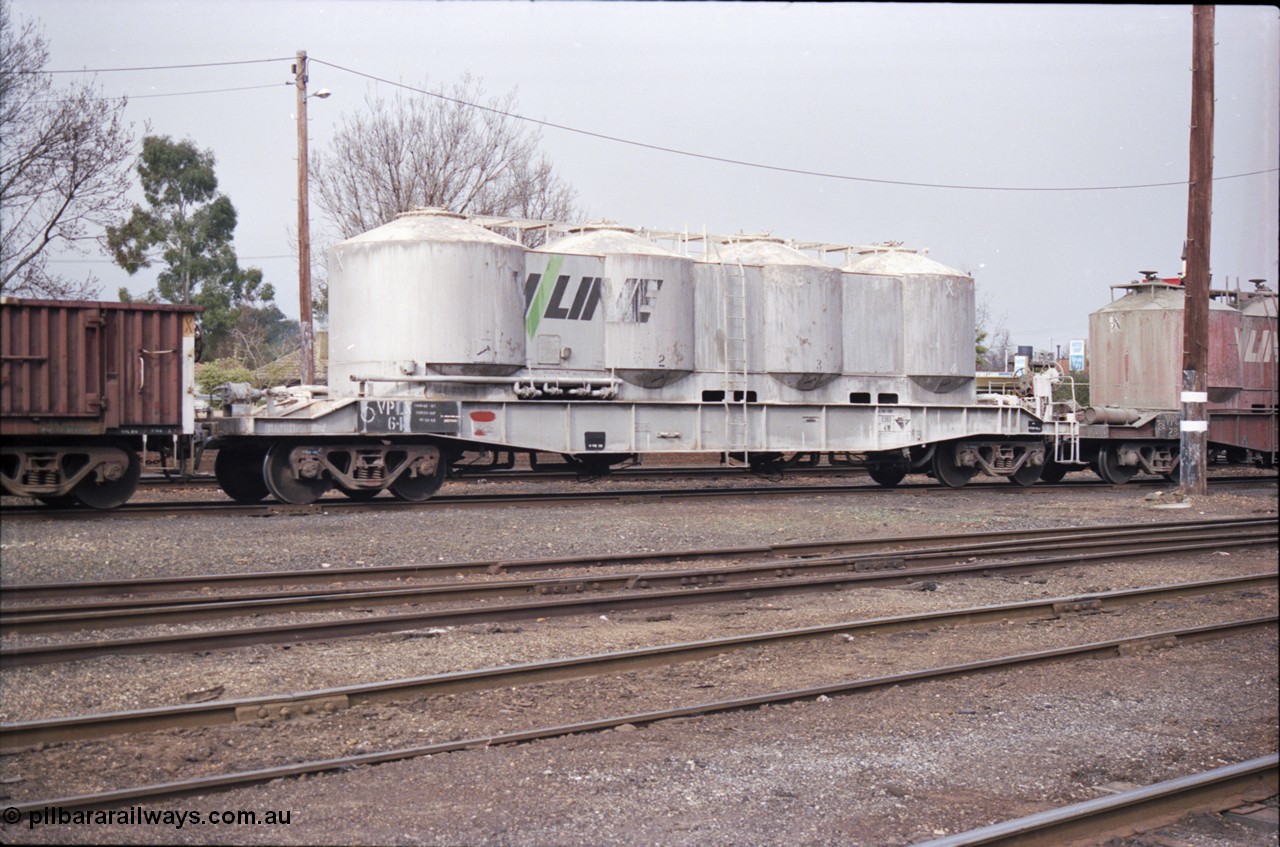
<point>218,782</point>
<point>221,507</point>
<point>906,566</point>
<point>295,633</point>
<point>1138,810</point>
<point>557,473</point>
<point>565,473</point>
<point>270,507</point>
<point>299,632</point>
<point>786,557</point>
<point>27,733</point>
<point>884,546</point>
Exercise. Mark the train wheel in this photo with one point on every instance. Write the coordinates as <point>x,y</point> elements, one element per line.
<point>1053,471</point>
<point>278,471</point>
<point>111,493</point>
<point>59,501</point>
<point>418,488</point>
<point>766,463</point>
<point>238,470</point>
<point>1028,474</point>
<point>886,473</point>
<point>1109,468</point>
<point>947,472</point>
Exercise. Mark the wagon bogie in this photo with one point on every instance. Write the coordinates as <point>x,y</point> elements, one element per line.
<point>83,384</point>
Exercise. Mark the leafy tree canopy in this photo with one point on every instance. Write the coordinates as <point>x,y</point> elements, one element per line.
<point>187,229</point>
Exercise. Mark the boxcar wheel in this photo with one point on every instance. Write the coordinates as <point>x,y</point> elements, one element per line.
<point>238,470</point>
<point>1109,468</point>
<point>1052,471</point>
<point>947,472</point>
<point>111,493</point>
<point>277,470</point>
<point>418,488</point>
<point>1028,474</point>
<point>59,501</point>
<point>887,474</point>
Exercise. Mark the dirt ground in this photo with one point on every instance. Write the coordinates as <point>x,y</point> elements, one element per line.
<point>893,765</point>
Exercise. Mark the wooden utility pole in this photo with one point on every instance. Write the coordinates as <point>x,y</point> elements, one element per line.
<point>304,226</point>
<point>1193,444</point>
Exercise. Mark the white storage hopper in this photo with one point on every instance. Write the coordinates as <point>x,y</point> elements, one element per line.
<point>799,317</point>
<point>428,291</point>
<point>647,298</point>
<point>937,320</point>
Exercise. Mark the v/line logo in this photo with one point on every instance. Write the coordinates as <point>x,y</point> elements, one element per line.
<point>544,298</point>
<point>585,299</point>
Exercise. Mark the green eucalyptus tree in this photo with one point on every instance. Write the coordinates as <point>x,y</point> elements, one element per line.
<point>187,229</point>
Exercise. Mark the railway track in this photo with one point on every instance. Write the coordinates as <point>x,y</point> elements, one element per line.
<point>914,563</point>
<point>954,543</point>
<point>28,733</point>
<point>1008,540</point>
<point>1138,810</point>
<point>558,473</point>
<point>223,781</point>
<point>337,502</point>
<point>629,591</point>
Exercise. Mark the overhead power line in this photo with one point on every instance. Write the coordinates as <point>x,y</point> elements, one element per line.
<point>645,145</point>
<point>762,166</point>
<point>107,261</point>
<point>206,91</point>
<point>127,96</point>
<point>162,67</point>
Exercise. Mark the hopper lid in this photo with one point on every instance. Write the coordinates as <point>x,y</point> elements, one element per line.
<point>432,225</point>
<point>605,239</point>
<point>759,251</point>
<point>899,263</point>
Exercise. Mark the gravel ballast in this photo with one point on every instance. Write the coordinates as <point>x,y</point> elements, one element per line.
<point>886,766</point>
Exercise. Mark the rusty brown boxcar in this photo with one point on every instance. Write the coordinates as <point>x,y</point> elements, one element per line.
<point>82,382</point>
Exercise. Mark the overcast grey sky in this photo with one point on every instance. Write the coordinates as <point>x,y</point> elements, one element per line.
<point>988,97</point>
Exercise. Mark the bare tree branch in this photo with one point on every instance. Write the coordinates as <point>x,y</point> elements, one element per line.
<point>64,164</point>
<point>419,151</point>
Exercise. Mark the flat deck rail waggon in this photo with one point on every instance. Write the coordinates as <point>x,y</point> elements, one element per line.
<point>603,343</point>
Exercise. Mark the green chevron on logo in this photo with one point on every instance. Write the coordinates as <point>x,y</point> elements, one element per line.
<point>537,304</point>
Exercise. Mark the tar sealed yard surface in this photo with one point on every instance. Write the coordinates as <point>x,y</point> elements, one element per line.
<point>894,764</point>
